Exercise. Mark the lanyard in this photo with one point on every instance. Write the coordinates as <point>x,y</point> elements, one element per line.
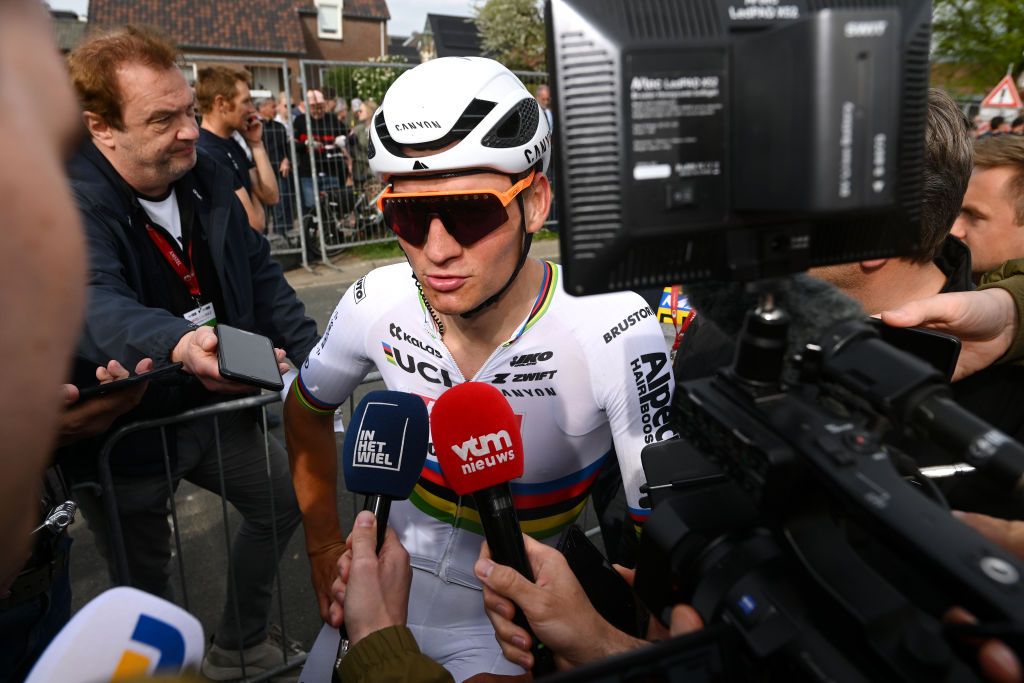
<point>186,273</point>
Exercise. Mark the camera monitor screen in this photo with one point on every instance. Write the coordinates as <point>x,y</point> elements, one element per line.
<point>734,139</point>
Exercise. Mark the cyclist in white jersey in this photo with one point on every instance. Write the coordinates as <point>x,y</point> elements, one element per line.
<point>458,139</point>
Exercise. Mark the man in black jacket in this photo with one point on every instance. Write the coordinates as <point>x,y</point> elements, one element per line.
<point>170,254</point>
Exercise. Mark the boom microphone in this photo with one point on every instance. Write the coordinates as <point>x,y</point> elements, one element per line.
<point>123,633</point>
<point>480,449</point>
<point>384,452</point>
<point>813,306</point>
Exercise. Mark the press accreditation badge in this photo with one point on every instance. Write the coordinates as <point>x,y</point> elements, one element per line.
<point>204,315</point>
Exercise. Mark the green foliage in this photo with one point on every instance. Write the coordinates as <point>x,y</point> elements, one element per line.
<point>376,251</point>
<point>365,82</point>
<point>982,36</point>
<point>512,32</point>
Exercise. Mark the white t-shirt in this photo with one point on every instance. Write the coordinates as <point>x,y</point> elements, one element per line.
<point>165,214</point>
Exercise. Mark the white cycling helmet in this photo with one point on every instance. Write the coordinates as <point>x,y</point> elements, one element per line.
<point>473,101</point>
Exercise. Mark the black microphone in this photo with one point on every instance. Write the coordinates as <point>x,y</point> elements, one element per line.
<point>385,449</point>
<point>480,449</point>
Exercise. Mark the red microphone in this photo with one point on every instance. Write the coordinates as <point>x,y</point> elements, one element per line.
<point>480,449</point>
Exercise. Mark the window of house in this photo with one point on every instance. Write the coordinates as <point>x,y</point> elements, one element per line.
<point>188,70</point>
<point>328,19</point>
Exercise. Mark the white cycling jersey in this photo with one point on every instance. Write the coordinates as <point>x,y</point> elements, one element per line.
<point>589,377</point>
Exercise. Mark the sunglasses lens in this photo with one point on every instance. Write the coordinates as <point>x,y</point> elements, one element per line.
<point>467,217</point>
<point>472,217</point>
<point>406,219</point>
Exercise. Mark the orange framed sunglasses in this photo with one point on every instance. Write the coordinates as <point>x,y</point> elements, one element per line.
<point>468,215</point>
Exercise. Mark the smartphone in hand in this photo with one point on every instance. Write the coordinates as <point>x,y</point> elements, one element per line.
<point>248,358</point>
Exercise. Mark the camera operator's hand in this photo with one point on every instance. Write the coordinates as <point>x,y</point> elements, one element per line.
<point>684,619</point>
<point>986,322</point>
<point>996,660</point>
<point>1003,532</point>
<point>556,607</point>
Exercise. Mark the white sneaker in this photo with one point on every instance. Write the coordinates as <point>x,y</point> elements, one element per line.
<point>221,664</point>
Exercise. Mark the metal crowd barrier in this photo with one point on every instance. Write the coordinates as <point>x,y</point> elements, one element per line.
<point>119,553</point>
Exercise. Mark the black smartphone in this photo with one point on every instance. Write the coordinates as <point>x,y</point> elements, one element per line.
<point>162,372</point>
<point>939,349</point>
<point>608,592</point>
<point>248,358</point>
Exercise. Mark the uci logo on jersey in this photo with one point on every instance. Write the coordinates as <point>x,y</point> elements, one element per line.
<point>159,641</point>
<point>428,372</point>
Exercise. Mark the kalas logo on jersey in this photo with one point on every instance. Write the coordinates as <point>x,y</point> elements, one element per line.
<point>530,359</point>
<point>485,451</point>
<point>397,333</point>
<point>428,372</point>
<point>655,394</point>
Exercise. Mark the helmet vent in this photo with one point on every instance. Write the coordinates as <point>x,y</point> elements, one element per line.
<point>516,128</point>
<point>467,123</point>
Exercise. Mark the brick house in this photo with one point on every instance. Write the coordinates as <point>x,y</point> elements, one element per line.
<point>250,30</point>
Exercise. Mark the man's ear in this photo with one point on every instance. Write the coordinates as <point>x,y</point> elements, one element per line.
<point>100,131</point>
<point>873,264</point>
<point>538,203</point>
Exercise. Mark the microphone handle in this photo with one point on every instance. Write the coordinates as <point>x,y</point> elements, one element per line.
<point>380,506</point>
<point>505,539</point>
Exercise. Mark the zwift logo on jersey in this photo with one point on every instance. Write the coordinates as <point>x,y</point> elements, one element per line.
<point>157,638</point>
<point>654,391</point>
<point>480,452</point>
<point>430,373</point>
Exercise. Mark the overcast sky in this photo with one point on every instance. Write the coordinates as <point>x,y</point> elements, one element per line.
<point>406,15</point>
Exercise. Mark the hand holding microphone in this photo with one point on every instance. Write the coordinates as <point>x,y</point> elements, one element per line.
<point>480,449</point>
<point>385,448</point>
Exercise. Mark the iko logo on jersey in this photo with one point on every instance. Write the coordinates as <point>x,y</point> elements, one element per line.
<point>428,372</point>
<point>530,359</point>
<point>360,292</point>
<point>627,322</point>
<point>154,634</point>
<point>655,393</point>
<point>397,333</point>
<point>481,452</point>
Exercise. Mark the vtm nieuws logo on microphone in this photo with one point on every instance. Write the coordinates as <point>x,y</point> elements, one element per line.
<point>373,453</point>
<point>486,451</point>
